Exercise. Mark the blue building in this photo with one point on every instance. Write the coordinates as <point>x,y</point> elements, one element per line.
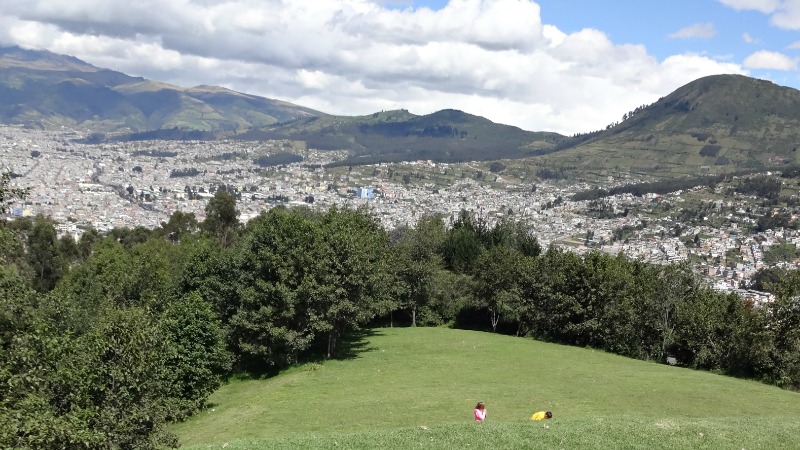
<point>365,193</point>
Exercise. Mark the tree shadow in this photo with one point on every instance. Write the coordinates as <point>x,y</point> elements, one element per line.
<point>350,346</point>
<point>354,344</point>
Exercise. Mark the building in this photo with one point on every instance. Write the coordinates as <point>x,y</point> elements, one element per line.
<point>365,193</point>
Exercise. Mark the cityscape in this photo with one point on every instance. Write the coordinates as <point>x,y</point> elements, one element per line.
<point>141,183</point>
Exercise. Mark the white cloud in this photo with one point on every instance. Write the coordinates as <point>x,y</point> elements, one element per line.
<point>750,39</point>
<point>765,59</point>
<point>493,58</point>
<point>696,31</point>
<point>788,15</point>
<point>765,6</point>
<point>783,13</point>
<point>794,45</point>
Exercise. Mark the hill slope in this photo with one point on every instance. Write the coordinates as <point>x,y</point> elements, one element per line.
<point>447,136</point>
<point>42,89</point>
<point>715,124</point>
<point>398,380</point>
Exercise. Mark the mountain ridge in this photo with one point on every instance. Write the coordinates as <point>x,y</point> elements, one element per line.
<point>712,125</point>
<point>43,89</point>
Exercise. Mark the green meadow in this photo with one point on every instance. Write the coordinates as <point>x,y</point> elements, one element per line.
<point>416,387</point>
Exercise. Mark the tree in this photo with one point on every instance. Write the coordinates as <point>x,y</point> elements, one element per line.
<point>719,332</point>
<point>355,272</point>
<point>12,251</point>
<point>71,383</point>
<point>87,241</point>
<point>8,194</point>
<point>222,217</point>
<point>68,250</point>
<point>43,256</point>
<point>513,234</point>
<point>196,359</point>
<point>417,262</point>
<point>464,243</point>
<point>676,285</point>
<point>179,224</point>
<point>784,326</point>
<point>279,278</point>
<point>498,279</point>
<point>550,305</point>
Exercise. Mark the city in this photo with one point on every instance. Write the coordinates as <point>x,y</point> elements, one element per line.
<point>120,185</point>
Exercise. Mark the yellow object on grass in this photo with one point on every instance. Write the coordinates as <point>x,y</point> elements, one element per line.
<point>538,415</point>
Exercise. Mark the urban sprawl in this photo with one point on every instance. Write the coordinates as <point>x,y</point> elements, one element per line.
<point>130,184</point>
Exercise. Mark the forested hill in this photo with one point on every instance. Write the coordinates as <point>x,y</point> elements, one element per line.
<point>389,136</point>
<point>716,124</point>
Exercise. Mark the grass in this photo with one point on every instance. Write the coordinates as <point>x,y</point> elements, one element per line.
<point>416,387</point>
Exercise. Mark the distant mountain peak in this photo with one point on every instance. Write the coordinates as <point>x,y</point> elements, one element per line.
<point>42,60</point>
<point>43,89</point>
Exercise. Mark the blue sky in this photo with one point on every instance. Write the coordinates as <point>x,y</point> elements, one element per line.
<point>558,65</point>
<point>733,34</point>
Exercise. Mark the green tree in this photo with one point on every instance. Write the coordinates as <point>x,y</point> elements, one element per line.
<point>553,310</point>
<point>417,262</point>
<point>179,224</point>
<point>784,326</point>
<point>222,217</point>
<point>197,358</point>
<point>12,251</point>
<point>464,243</point>
<point>70,383</point>
<point>498,280</point>
<point>43,257</point>
<point>355,272</point>
<point>68,250</point>
<point>87,241</point>
<point>676,285</point>
<point>278,263</point>
<point>8,194</point>
<point>106,278</point>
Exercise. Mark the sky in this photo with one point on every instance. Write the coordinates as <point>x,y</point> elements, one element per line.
<point>568,66</point>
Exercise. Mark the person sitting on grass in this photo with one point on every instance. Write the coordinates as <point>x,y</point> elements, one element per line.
<point>541,415</point>
<point>480,412</point>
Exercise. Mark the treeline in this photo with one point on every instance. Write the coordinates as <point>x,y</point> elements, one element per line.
<point>657,187</point>
<point>278,159</point>
<point>640,189</point>
<point>156,153</point>
<point>104,341</point>
<point>168,134</point>
<point>187,172</point>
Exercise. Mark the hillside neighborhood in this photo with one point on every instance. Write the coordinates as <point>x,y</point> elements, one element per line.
<point>132,184</point>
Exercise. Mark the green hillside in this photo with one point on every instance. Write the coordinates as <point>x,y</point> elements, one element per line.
<point>44,90</point>
<point>713,125</point>
<point>417,386</point>
<point>447,136</point>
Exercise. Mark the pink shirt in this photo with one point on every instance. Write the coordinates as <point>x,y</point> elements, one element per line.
<point>480,414</point>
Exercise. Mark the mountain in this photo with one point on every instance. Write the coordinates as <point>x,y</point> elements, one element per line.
<point>43,90</point>
<point>713,125</point>
<point>446,136</point>
<point>716,124</point>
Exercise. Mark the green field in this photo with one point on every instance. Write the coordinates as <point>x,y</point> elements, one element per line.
<point>416,387</point>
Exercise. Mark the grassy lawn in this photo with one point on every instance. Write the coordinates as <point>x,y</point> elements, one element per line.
<point>417,387</point>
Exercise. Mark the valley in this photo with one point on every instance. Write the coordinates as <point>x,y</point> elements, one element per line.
<point>142,183</point>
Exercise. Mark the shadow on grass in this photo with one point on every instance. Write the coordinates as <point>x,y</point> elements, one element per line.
<point>349,347</point>
<point>354,343</point>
